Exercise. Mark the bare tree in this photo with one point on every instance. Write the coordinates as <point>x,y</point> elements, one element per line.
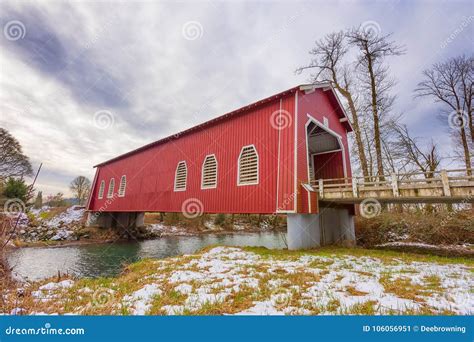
<point>80,187</point>
<point>426,160</point>
<point>328,63</point>
<point>13,163</point>
<point>451,83</point>
<point>373,73</point>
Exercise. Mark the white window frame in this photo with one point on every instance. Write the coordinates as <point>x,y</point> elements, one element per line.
<point>202,172</point>
<point>100,195</point>
<point>112,181</point>
<point>238,166</point>
<point>122,194</point>
<point>176,175</point>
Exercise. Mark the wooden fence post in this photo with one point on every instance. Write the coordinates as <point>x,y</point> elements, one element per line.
<point>445,181</point>
<point>355,190</point>
<point>394,179</point>
<point>321,189</point>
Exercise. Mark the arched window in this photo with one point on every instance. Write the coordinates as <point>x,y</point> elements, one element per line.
<point>101,189</point>
<point>248,166</point>
<point>209,172</point>
<point>180,176</point>
<point>110,193</point>
<point>123,185</point>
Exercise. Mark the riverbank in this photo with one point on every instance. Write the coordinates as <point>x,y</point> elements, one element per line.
<point>169,232</point>
<point>66,226</point>
<point>229,280</point>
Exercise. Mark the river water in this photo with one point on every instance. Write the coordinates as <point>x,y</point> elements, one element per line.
<point>101,260</point>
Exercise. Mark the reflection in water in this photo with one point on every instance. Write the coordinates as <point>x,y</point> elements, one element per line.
<point>108,259</point>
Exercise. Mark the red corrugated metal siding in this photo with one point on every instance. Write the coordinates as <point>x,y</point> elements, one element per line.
<point>151,170</point>
<point>286,172</point>
<point>318,104</point>
<point>150,173</point>
<point>307,201</point>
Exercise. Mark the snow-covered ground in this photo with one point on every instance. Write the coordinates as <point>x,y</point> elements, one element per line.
<point>229,280</point>
<point>160,229</point>
<point>59,227</point>
<point>72,214</point>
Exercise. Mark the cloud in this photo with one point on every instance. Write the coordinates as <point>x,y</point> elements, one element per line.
<point>132,60</point>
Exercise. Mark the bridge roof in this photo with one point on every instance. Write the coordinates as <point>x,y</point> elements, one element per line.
<point>334,98</point>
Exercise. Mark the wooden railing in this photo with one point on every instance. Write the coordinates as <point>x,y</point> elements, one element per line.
<point>439,186</point>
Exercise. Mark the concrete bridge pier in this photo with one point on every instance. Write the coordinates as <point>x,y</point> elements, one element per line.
<point>116,219</point>
<point>330,226</point>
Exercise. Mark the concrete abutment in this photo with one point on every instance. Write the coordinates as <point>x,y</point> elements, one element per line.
<point>332,226</point>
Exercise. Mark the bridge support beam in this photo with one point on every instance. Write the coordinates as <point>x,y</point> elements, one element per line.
<point>116,219</point>
<point>332,226</point>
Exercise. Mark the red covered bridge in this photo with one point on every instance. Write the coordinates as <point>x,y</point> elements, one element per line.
<point>260,158</point>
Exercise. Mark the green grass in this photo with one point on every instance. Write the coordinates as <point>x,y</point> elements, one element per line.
<point>384,255</point>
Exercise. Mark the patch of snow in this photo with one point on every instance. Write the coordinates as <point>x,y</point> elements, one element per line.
<point>421,245</point>
<point>174,309</point>
<point>37,212</point>
<point>184,288</point>
<point>72,214</point>
<point>61,234</point>
<point>180,276</point>
<point>197,300</point>
<point>46,292</point>
<point>17,311</point>
<point>41,313</point>
<point>163,230</point>
<point>262,308</point>
<point>239,227</point>
<point>140,300</point>
<point>60,285</point>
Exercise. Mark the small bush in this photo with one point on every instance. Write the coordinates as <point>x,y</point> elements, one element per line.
<point>45,215</point>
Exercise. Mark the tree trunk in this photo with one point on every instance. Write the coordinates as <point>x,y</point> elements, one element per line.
<point>467,156</point>
<point>358,137</point>
<point>471,126</point>
<point>378,145</point>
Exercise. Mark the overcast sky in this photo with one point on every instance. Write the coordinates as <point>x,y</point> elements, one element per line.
<point>82,82</point>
